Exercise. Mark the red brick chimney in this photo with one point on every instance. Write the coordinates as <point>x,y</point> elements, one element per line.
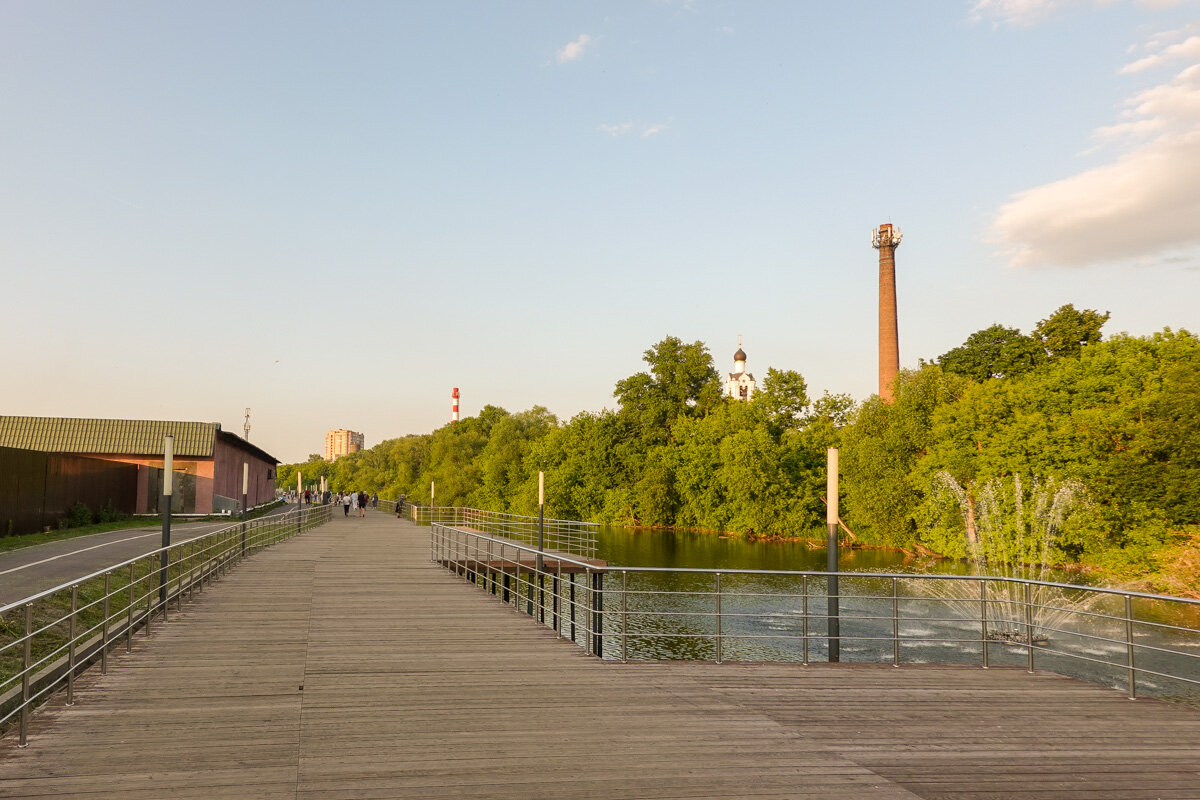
<point>886,239</point>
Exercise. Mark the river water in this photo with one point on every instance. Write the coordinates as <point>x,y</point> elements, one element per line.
<point>674,615</point>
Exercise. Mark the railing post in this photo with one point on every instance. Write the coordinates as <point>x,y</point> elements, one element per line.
<point>895,623</point>
<point>983,622</point>
<point>718,618</point>
<point>1029,623</point>
<point>71,645</point>
<point>149,610</point>
<point>1129,647</point>
<point>597,625</point>
<point>804,603</point>
<point>571,577</point>
<point>554,586</point>
<point>624,616</point>
<point>26,665</point>
<point>104,625</point>
<point>129,614</point>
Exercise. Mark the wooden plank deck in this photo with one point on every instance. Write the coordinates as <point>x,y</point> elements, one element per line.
<point>343,664</point>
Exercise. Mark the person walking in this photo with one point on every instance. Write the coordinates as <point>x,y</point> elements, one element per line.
<point>345,504</point>
<point>400,507</point>
<point>363,499</point>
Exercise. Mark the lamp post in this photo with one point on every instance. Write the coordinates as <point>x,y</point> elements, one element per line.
<point>245,497</point>
<point>163,557</point>
<point>541,519</point>
<point>831,524</point>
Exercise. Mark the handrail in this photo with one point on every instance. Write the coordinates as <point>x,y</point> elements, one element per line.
<point>45,657</point>
<point>768,615</point>
<point>33,598</point>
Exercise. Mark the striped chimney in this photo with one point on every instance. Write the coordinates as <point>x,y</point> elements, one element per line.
<point>454,408</point>
<point>886,238</point>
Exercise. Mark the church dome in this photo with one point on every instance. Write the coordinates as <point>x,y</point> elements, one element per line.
<point>740,355</point>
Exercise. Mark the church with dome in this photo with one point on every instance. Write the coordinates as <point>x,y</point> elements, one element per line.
<point>741,385</point>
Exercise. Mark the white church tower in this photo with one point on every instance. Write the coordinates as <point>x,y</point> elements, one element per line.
<point>741,385</point>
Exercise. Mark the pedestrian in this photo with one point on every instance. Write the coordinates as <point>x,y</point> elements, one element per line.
<point>363,499</point>
<point>400,506</point>
<point>345,504</point>
<point>375,500</point>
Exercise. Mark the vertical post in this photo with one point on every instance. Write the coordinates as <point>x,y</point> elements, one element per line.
<point>164,558</point>
<point>432,488</point>
<point>983,626</point>
<point>129,614</point>
<point>104,625</point>
<point>541,517</point>
<point>624,616</point>
<point>26,665</point>
<point>1129,647</point>
<point>718,618</point>
<point>1029,623</point>
<point>245,507</point>
<point>598,615</point>
<point>895,623</point>
<point>831,524</point>
<point>804,630</point>
<point>71,645</point>
<point>571,577</point>
<point>299,500</point>
<point>557,580</point>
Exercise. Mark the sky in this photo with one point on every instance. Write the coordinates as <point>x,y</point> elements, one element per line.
<point>334,213</point>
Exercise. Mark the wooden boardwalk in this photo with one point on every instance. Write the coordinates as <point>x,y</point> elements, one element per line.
<point>343,664</point>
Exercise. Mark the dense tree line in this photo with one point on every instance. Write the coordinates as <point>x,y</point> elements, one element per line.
<point>999,432</point>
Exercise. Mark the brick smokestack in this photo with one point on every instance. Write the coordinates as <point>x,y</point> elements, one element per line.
<point>886,239</point>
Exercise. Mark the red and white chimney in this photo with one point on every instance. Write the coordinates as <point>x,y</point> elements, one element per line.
<point>454,407</point>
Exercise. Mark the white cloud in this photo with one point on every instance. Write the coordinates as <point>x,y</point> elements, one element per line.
<point>619,129</point>
<point>573,50</point>
<point>1188,48</point>
<point>1023,13</point>
<point>1141,206</point>
<point>655,129</point>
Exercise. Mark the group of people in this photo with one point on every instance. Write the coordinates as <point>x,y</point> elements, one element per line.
<point>358,501</point>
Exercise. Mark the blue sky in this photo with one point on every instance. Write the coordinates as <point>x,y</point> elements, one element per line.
<point>335,213</point>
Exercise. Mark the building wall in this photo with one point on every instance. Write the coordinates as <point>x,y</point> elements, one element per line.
<point>192,488</point>
<point>227,474</point>
<point>37,488</point>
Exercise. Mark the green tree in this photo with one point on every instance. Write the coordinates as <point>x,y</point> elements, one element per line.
<point>784,397</point>
<point>1065,332</point>
<point>995,352</point>
<point>682,381</point>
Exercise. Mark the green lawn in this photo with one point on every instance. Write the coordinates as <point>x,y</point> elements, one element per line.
<point>8,543</point>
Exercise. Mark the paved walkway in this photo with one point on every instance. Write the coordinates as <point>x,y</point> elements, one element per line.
<point>343,664</point>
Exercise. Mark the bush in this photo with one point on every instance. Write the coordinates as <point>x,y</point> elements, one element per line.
<point>110,514</point>
<point>79,515</point>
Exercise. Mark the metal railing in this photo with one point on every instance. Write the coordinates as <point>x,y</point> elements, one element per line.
<point>560,535</point>
<point>48,638</point>
<point>1139,643</point>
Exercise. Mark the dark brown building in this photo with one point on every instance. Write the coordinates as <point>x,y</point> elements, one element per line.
<point>207,460</point>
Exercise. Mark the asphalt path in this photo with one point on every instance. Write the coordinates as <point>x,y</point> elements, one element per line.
<point>33,569</point>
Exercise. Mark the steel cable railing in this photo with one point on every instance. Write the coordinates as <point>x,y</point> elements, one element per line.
<point>48,638</point>
<point>1140,643</point>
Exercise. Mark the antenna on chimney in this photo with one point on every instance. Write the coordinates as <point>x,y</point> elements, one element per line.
<point>246,427</point>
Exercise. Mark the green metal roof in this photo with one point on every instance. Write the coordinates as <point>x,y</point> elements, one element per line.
<point>134,437</point>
